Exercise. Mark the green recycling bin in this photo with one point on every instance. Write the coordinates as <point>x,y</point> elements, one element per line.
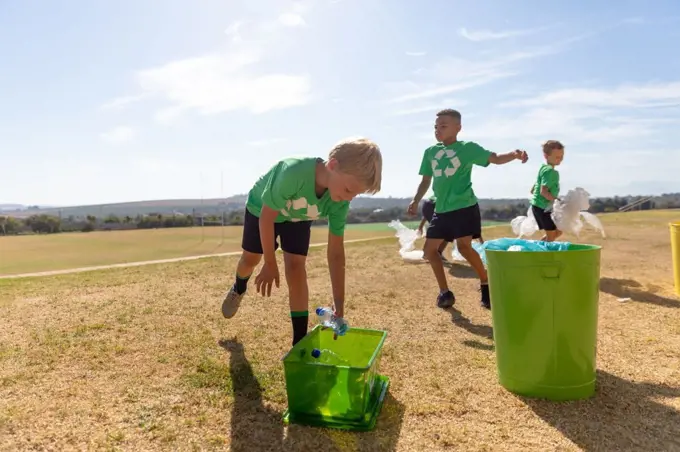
<point>544,306</point>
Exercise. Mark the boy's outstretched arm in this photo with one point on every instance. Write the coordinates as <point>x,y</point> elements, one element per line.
<point>336,267</point>
<point>502,159</point>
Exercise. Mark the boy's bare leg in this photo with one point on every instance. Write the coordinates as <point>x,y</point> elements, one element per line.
<point>298,293</point>
<point>466,250</point>
<point>446,298</point>
<point>432,255</point>
<point>551,236</point>
<point>244,269</point>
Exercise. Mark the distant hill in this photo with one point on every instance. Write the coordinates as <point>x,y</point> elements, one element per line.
<point>11,207</point>
<point>215,206</point>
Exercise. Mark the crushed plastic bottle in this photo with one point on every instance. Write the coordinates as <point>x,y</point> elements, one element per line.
<point>326,356</point>
<point>329,319</point>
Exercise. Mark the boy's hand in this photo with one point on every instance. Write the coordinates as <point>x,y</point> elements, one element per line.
<point>412,208</point>
<point>521,155</point>
<point>268,274</point>
<point>420,231</point>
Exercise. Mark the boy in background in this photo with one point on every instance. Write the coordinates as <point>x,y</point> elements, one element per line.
<point>546,189</point>
<point>457,216</point>
<point>428,213</point>
<point>282,205</point>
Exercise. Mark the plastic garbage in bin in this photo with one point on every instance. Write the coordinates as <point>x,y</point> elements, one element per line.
<point>512,244</point>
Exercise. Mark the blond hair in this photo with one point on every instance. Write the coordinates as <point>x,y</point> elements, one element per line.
<point>361,158</point>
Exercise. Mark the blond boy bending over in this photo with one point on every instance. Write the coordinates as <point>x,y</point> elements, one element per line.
<point>282,205</point>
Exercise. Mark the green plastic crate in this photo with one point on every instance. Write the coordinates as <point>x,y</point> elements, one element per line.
<point>344,397</point>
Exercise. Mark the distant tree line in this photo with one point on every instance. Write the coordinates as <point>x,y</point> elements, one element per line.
<point>50,224</point>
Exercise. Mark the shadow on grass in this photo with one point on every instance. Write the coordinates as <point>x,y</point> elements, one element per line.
<point>461,271</point>
<point>628,288</point>
<point>256,427</point>
<point>461,321</point>
<point>623,415</point>
<point>479,345</point>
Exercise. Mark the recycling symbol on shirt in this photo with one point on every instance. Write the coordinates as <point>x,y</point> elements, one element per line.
<point>452,163</point>
<point>311,210</point>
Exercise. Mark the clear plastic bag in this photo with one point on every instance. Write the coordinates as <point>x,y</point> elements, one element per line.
<point>567,213</point>
<point>407,239</point>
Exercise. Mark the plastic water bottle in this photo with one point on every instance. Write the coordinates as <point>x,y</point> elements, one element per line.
<point>330,320</point>
<point>329,357</point>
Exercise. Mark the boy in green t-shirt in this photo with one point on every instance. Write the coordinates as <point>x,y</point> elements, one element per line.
<point>546,189</point>
<point>283,203</point>
<point>448,166</point>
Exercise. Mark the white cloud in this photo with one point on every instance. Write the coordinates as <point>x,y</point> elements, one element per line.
<point>234,31</point>
<point>431,108</point>
<point>451,75</point>
<point>120,102</point>
<point>416,54</point>
<point>231,79</point>
<point>291,20</point>
<point>117,135</point>
<point>218,83</point>
<point>487,35</point>
<point>457,74</point>
<point>266,142</point>
<point>650,95</point>
<point>624,116</point>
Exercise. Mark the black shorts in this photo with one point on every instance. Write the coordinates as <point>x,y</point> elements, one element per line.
<point>294,236</point>
<point>543,219</point>
<point>428,210</point>
<point>466,222</point>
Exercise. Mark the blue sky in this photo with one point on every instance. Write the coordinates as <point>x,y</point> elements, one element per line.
<point>129,100</point>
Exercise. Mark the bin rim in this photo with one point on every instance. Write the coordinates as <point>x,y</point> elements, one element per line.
<point>589,248</point>
<point>674,225</point>
<point>383,336</point>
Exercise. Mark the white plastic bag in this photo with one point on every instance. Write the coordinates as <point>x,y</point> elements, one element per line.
<point>407,239</point>
<point>524,226</point>
<point>566,214</point>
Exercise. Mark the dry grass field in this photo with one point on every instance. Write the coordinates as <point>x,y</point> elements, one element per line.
<point>37,253</point>
<point>141,359</point>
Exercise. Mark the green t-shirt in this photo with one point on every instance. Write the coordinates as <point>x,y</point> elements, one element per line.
<point>289,187</point>
<point>549,177</point>
<point>451,170</point>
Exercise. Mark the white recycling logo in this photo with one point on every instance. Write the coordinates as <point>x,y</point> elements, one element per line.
<point>312,210</point>
<point>448,171</point>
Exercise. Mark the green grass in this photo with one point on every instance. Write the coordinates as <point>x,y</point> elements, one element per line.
<point>383,227</point>
<point>142,359</point>
<point>36,253</point>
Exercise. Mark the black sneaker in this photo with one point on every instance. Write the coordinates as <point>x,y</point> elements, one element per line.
<point>486,298</point>
<point>446,300</point>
